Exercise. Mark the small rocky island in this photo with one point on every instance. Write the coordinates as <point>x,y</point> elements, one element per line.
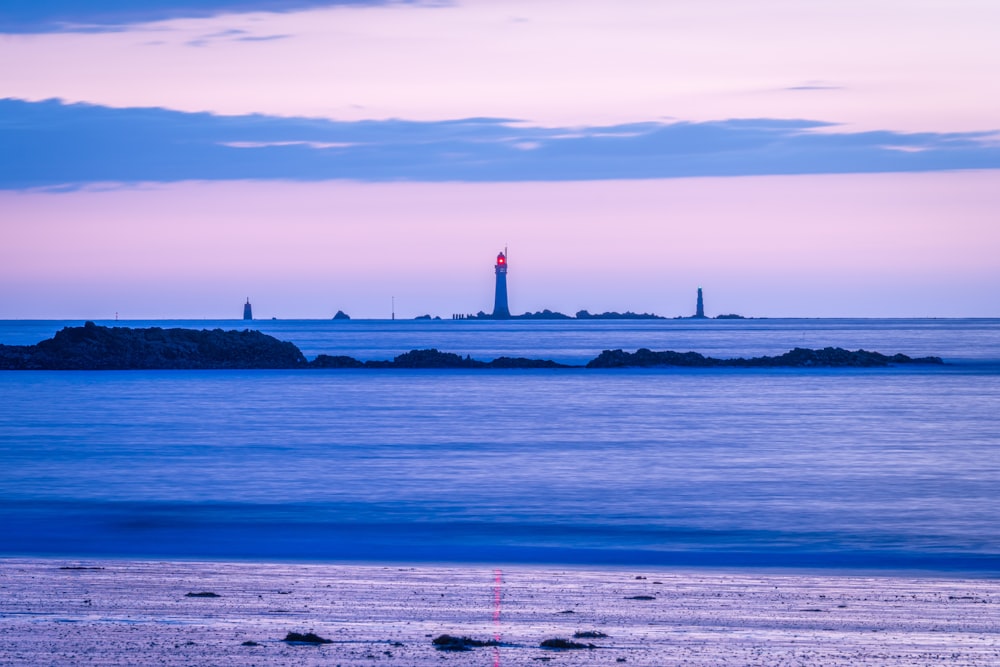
<point>828,357</point>
<point>93,347</point>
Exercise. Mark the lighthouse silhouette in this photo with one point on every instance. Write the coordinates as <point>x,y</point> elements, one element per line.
<point>500,309</point>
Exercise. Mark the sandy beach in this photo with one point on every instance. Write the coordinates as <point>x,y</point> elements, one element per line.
<point>114,612</point>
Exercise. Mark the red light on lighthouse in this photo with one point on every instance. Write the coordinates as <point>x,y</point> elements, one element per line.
<point>500,259</point>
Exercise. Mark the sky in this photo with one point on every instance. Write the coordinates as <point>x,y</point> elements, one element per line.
<point>169,159</point>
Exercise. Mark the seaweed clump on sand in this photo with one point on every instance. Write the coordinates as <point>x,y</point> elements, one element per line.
<point>307,638</point>
<point>559,643</point>
<point>589,634</point>
<point>203,594</point>
<point>450,643</point>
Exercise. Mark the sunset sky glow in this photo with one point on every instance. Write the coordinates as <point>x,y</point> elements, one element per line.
<point>830,158</point>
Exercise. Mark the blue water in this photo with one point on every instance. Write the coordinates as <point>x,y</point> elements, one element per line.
<point>875,468</point>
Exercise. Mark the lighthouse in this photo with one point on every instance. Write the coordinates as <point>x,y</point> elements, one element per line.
<point>247,310</point>
<point>500,309</point>
<point>699,311</point>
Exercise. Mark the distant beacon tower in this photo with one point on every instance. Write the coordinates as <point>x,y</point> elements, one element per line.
<point>247,310</point>
<point>500,309</point>
<point>700,310</point>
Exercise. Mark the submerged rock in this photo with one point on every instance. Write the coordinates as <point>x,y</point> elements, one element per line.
<point>559,643</point>
<point>450,643</point>
<point>307,638</point>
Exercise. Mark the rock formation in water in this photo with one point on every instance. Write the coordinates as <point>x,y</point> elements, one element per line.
<point>436,359</point>
<point>613,315</point>
<point>93,347</point>
<point>828,357</point>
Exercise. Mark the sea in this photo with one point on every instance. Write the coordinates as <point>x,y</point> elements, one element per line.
<point>888,469</point>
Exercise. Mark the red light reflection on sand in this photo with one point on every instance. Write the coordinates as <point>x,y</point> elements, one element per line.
<point>497,581</point>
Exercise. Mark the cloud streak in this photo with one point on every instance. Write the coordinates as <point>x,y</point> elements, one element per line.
<point>40,16</point>
<point>50,143</point>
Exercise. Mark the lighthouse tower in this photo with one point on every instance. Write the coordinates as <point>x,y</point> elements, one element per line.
<point>500,309</point>
<point>699,311</point>
<point>247,310</point>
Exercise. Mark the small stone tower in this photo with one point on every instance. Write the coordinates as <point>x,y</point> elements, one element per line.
<point>247,310</point>
<point>700,309</point>
<point>500,309</point>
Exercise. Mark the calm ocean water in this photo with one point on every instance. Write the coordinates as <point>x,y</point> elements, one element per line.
<point>874,468</point>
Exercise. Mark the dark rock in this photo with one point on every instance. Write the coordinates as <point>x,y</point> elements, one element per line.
<point>729,316</point>
<point>203,594</point>
<point>429,359</point>
<point>641,597</point>
<point>249,642</point>
<point>829,357</point>
<point>542,315</point>
<point>307,638</point>
<point>521,362</point>
<point>644,357</point>
<point>611,315</point>
<point>559,643</point>
<point>93,347</point>
<point>450,643</point>
<point>339,361</point>
<point>341,315</point>
<point>589,634</point>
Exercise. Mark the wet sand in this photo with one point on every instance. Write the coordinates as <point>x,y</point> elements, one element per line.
<point>138,613</point>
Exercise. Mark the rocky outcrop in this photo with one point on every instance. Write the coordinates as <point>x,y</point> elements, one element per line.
<point>428,359</point>
<point>339,361</point>
<point>436,359</point>
<point>542,315</point>
<point>612,315</point>
<point>93,347</point>
<point>828,357</point>
<point>521,362</point>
